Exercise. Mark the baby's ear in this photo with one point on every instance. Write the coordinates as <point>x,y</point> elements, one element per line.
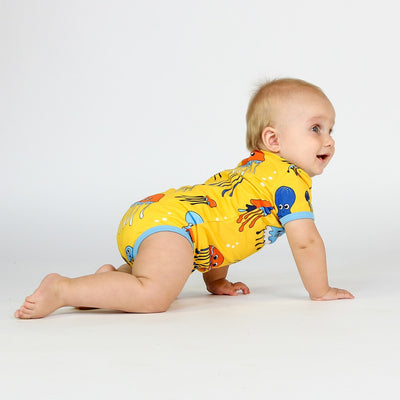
<point>270,140</point>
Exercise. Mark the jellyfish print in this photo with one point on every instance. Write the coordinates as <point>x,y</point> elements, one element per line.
<point>228,185</point>
<point>235,176</point>
<point>253,211</point>
<point>140,206</point>
<point>251,163</point>
<point>207,258</point>
<point>192,219</point>
<point>194,200</point>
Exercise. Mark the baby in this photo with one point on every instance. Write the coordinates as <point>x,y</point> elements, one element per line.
<point>207,227</point>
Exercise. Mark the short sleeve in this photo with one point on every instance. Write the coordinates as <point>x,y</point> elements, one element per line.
<point>293,197</point>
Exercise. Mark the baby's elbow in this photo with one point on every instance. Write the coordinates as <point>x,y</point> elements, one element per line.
<point>306,243</point>
<point>303,235</point>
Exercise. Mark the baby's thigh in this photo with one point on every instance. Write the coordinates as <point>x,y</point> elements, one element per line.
<point>163,263</point>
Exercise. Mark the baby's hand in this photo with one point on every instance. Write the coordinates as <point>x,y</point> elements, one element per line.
<point>223,286</point>
<point>334,294</point>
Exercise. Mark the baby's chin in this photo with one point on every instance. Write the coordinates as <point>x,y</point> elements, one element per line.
<point>311,174</point>
<point>316,169</point>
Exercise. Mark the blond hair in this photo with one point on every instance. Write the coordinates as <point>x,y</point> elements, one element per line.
<point>260,110</point>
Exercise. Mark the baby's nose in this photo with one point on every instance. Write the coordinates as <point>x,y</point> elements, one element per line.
<point>329,142</point>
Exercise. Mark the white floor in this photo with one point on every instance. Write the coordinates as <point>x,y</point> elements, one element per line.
<point>274,343</point>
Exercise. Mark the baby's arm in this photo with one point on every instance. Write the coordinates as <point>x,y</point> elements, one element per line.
<point>216,282</point>
<point>309,253</point>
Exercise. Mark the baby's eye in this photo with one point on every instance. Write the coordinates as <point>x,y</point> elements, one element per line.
<point>315,129</point>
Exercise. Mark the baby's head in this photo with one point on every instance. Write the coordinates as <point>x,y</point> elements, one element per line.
<point>294,119</point>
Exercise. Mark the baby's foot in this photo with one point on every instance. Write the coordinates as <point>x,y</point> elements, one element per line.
<point>46,299</point>
<point>104,268</point>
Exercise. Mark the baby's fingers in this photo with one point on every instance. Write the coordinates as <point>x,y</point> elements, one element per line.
<point>343,294</point>
<point>335,294</point>
<point>240,286</point>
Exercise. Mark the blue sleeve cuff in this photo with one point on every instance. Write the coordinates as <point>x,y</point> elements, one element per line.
<point>299,215</point>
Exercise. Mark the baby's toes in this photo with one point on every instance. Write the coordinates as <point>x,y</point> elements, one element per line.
<point>28,305</point>
<point>23,313</point>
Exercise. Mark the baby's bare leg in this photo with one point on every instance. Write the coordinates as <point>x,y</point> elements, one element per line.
<point>125,268</point>
<point>108,268</point>
<point>162,266</point>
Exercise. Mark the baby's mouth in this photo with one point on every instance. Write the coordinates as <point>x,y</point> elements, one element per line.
<point>322,157</point>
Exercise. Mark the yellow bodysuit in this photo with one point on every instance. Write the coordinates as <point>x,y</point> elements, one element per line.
<point>228,217</point>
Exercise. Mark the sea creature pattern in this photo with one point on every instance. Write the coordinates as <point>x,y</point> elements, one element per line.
<point>253,211</point>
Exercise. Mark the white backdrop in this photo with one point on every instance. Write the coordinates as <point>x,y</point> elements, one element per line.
<point>105,102</point>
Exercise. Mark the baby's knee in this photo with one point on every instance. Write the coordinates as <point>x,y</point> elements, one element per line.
<point>149,303</point>
<point>156,298</point>
<point>158,310</point>
<point>158,305</point>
